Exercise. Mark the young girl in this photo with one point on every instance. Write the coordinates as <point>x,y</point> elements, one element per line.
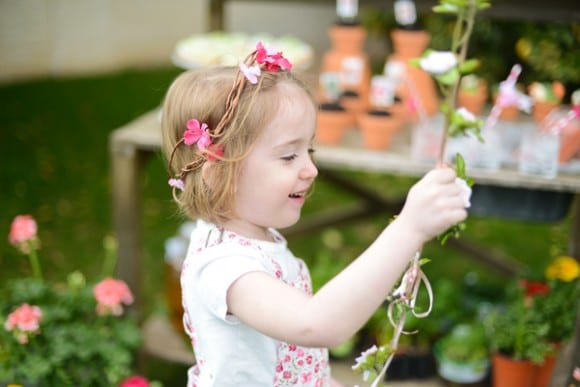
<point>239,143</point>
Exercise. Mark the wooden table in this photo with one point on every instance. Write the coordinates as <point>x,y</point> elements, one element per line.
<point>132,144</point>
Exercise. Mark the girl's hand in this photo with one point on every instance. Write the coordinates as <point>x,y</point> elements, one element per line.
<point>434,203</point>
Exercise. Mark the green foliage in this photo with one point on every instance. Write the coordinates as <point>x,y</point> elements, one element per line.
<point>559,307</point>
<point>551,53</point>
<point>75,346</point>
<point>517,330</point>
<point>466,343</point>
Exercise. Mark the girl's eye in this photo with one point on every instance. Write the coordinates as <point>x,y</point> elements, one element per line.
<point>289,157</point>
<point>311,151</point>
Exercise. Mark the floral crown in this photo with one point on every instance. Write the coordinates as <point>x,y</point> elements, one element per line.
<point>199,133</point>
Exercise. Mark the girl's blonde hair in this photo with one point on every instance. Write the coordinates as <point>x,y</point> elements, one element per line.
<point>202,94</point>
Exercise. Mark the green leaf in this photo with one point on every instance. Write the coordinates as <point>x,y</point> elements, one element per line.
<point>460,166</point>
<point>445,9</point>
<point>414,62</point>
<point>449,78</point>
<point>469,66</point>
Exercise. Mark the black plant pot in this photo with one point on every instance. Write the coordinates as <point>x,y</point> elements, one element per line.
<point>520,203</point>
<point>411,365</point>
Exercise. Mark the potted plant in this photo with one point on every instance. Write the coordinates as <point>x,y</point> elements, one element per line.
<point>68,332</point>
<point>546,96</point>
<point>347,58</point>
<point>557,306</point>
<point>379,124</point>
<point>536,319</point>
<point>518,340</point>
<point>472,93</point>
<point>463,354</point>
<point>332,118</point>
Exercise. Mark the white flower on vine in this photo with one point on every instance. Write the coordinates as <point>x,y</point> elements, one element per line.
<point>438,62</point>
<point>465,191</point>
<point>466,114</point>
<point>361,361</point>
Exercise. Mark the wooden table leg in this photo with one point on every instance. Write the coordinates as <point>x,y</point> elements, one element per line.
<point>125,168</point>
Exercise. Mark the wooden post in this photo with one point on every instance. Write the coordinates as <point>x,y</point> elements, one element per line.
<point>125,167</point>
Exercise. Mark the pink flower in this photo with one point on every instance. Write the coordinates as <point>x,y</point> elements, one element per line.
<point>194,131</point>
<point>215,151</point>
<point>273,59</point>
<point>204,141</point>
<point>110,295</point>
<point>24,320</point>
<point>22,232</point>
<point>251,73</point>
<point>135,381</point>
<point>177,183</point>
<point>576,374</point>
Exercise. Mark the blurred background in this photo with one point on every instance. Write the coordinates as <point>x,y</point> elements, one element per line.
<point>71,72</point>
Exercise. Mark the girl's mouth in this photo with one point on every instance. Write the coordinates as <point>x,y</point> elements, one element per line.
<point>297,195</point>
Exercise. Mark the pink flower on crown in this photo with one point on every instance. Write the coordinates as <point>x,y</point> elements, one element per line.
<point>24,320</point>
<point>197,133</point>
<point>272,59</point>
<point>110,295</point>
<point>177,183</point>
<point>251,73</point>
<point>215,151</point>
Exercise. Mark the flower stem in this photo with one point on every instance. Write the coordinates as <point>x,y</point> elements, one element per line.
<point>35,264</point>
<point>460,43</point>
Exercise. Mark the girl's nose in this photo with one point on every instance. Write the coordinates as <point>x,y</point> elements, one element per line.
<point>309,170</point>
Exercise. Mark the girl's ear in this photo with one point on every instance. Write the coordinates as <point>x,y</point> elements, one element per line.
<point>207,174</point>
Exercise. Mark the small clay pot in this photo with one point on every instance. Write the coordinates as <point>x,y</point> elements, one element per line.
<point>332,121</point>
<point>378,129</point>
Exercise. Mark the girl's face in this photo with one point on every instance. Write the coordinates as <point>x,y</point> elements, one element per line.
<point>278,172</point>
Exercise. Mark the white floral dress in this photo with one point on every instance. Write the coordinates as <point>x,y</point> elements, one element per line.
<point>228,352</point>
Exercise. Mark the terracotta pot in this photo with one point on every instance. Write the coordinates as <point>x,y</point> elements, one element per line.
<point>474,101</point>
<point>543,372</point>
<point>347,57</point>
<point>355,105</point>
<point>508,372</point>
<point>569,144</point>
<point>569,135</point>
<point>347,39</point>
<point>509,113</point>
<point>408,45</point>
<point>378,131</point>
<point>541,109</point>
<point>331,126</point>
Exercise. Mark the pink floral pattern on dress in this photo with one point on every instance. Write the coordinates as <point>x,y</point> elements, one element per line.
<point>300,366</point>
<point>295,365</point>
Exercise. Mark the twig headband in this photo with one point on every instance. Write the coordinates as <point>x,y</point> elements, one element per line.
<point>199,133</point>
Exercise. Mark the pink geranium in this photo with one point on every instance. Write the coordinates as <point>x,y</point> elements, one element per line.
<point>110,295</point>
<point>24,320</point>
<point>197,133</point>
<point>215,151</point>
<point>272,59</point>
<point>135,381</point>
<point>23,232</point>
<point>194,131</point>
